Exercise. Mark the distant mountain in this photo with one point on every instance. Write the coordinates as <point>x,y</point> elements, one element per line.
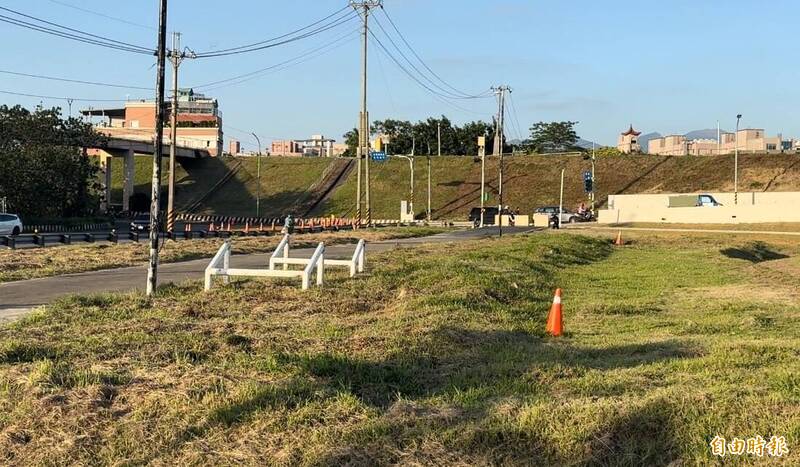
<point>644,140</point>
<point>710,133</point>
<point>586,144</point>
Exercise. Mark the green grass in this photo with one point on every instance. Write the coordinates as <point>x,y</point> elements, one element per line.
<point>436,356</point>
<point>530,181</point>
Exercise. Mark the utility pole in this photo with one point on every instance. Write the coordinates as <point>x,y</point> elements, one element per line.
<point>482,154</point>
<point>258,176</point>
<point>176,57</point>
<point>152,270</point>
<point>500,92</point>
<point>439,137</point>
<point>594,182</point>
<point>69,103</point>
<point>364,7</point>
<point>736,162</point>
<point>561,200</point>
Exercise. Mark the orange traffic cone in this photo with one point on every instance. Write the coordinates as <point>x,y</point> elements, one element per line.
<point>555,325</point>
<point>211,227</point>
<point>247,227</point>
<point>619,241</point>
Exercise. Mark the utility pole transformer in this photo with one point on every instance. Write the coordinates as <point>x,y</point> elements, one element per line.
<point>364,7</point>
<point>152,270</point>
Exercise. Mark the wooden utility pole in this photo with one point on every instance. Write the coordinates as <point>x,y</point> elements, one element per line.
<point>152,270</point>
<point>500,91</point>
<point>364,7</point>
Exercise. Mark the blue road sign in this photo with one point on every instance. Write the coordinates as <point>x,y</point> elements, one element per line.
<point>379,156</point>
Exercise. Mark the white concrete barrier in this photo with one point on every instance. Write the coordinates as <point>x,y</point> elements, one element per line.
<point>356,263</point>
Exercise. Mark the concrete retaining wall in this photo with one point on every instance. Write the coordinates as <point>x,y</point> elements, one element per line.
<point>751,208</point>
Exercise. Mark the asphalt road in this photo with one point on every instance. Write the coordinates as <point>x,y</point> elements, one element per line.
<point>18,298</point>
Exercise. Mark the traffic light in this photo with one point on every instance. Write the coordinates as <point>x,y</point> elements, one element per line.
<point>587,182</point>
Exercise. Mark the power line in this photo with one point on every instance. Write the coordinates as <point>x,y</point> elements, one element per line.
<point>102,15</point>
<point>75,99</point>
<point>402,37</point>
<point>78,81</point>
<point>270,43</point>
<point>443,92</point>
<point>313,53</point>
<point>515,121</point>
<point>71,33</point>
<point>433,92</point>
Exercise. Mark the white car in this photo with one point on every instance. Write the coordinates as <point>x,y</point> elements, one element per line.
<point>10,224</point>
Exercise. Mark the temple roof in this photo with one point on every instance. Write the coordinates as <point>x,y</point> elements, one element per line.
<point>631,131</point>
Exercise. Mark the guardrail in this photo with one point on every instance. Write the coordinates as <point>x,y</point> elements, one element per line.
<point>220,266</point>
<point>356,264</point>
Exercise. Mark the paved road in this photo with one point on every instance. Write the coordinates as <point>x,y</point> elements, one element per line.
<point>18,298</point>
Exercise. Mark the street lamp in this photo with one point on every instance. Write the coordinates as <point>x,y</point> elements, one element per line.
<point>258,176</point>
<point>736,162</point>
<point>410,160</point>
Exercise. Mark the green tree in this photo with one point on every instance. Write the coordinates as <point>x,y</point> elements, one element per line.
<point>46,172</point>
<point>553,136</point>
<point>351,140</point>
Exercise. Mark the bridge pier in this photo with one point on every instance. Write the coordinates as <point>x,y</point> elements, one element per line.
<point>105,169</point>
<point>128,170</point>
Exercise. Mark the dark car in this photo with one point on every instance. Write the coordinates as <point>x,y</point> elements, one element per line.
<point>488,215</point>
<point>141,223</point>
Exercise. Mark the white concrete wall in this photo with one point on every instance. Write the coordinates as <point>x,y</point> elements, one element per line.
<point>751,208</point>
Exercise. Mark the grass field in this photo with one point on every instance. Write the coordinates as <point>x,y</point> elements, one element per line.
<point>46,262</point>
<point>436,356</point>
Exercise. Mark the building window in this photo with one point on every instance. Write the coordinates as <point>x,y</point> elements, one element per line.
<point>134,123</point>
<point>771,147</point>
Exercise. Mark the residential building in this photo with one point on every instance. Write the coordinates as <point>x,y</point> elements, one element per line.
<point>235,147</point>
<point>287,148</point>
<point>628,142</point>
<point>748,140</point>
<point>316,146</point>
<point>199,121</point>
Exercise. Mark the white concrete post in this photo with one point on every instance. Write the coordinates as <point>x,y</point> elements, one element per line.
<point>226,264</point>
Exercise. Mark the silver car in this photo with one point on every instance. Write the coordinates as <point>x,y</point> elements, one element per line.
<point>567,216</point>
<point>10,224</point>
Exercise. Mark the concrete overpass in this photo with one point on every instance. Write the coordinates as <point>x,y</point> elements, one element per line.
<point>126,149</point>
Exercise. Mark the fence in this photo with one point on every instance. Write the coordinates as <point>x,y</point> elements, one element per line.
<point>220,264</point>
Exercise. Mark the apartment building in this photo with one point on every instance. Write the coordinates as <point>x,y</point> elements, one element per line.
<point>316,146</point>
<point>199,121</point>
<point>746,140</point>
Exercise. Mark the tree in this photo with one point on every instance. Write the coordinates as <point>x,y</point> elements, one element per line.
<point>553,136</point>
<point>46,172</point>
<point>351,140</point>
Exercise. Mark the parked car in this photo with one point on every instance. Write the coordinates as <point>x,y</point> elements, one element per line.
<point>141,223</point>
<point>687,201</point>
<point>10,224</point>
<point>567,216</point>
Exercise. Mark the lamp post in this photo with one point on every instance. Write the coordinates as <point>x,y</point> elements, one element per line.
<point>410,160</point>
<point>258,176</point>
<point>736,162</point>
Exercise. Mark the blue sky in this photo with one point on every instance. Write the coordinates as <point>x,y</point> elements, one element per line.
<point>669,66</point>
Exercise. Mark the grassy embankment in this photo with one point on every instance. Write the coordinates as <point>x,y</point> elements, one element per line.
<point>436,356</point>
<point>46,262</point>
<point>531,181</point>
<point>283,182</point>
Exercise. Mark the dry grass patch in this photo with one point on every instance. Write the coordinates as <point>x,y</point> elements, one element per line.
<point>46,262</point>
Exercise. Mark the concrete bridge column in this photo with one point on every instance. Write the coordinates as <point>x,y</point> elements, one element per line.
<point>105,167</point>
<point>129,169</point>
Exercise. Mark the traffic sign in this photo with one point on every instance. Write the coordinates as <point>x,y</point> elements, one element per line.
<point>378,156</point>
